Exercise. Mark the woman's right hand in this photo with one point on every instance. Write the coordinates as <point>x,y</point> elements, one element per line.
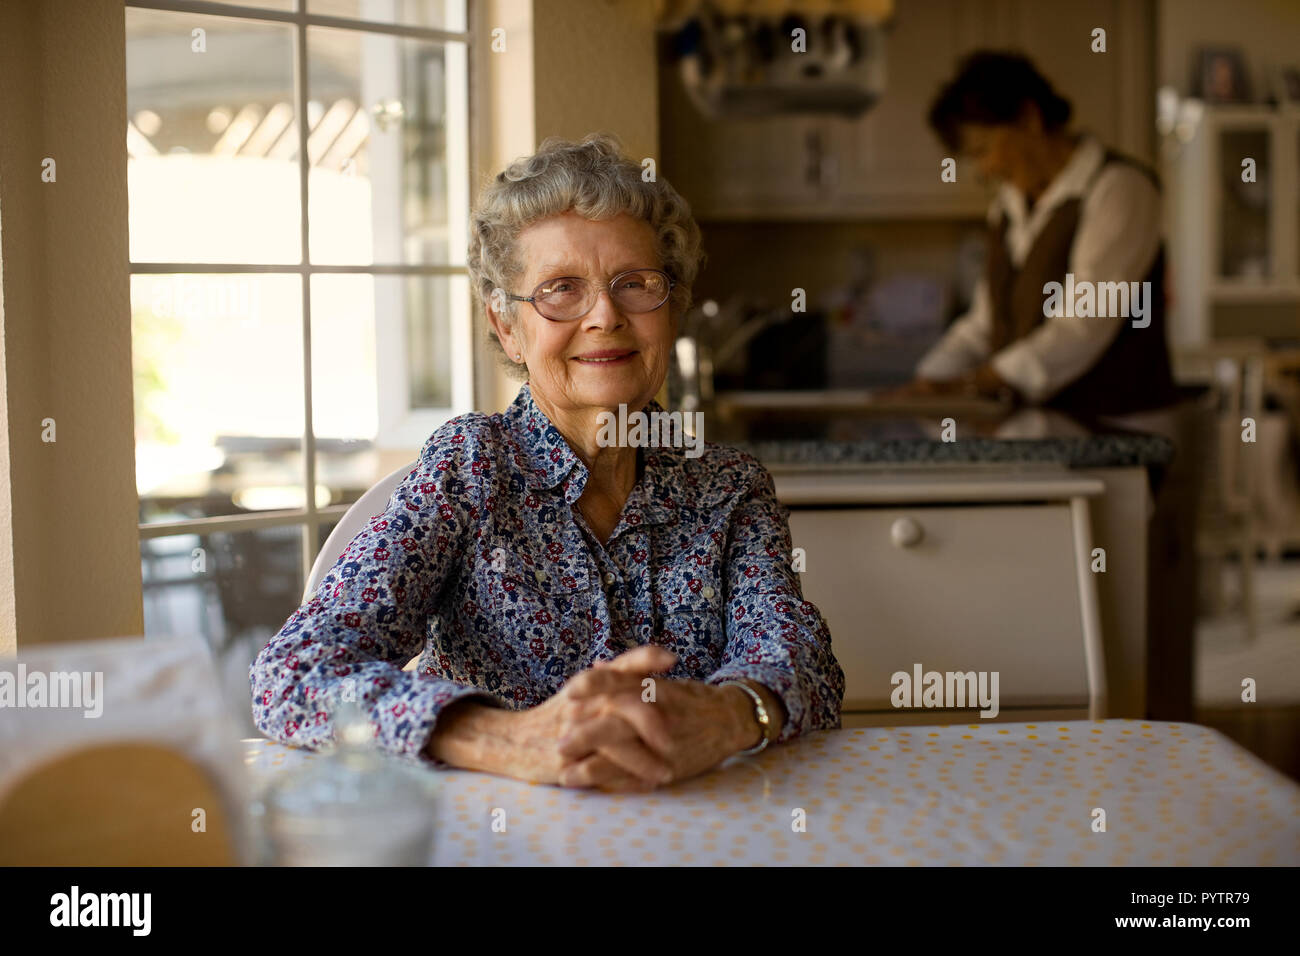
<point>917,388</point>
<point>604,695</point>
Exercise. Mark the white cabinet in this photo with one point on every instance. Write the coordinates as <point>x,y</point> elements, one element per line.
<point>736,166</point>
<point>1234,236</point>
<point>955,573</point>
<point>887,163</point>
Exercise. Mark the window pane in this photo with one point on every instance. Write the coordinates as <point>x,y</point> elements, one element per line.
<point>382,377</point>
<point>438,14</point>
<point>218,394</point>
<point>388,146</point>
<point>212,140</point>
<point>325,529</point>
<point>235,589</point>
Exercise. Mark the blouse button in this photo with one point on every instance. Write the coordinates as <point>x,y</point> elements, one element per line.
<point>540,575</point>
<point>707,592</point>
<point>609,577</point>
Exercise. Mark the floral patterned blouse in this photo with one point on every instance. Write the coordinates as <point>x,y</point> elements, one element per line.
<point>482,565</point>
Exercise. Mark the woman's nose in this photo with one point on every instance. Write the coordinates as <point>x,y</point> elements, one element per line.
<point>605,312</point>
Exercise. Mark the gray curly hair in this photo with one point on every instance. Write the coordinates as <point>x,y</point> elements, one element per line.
<point>594,179</point>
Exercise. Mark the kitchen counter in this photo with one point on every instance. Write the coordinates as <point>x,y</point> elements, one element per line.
<point>1093,451</point>
<point>825,429</point>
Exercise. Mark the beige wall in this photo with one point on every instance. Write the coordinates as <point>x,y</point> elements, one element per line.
<point>611,86</point>
<point>538,87</point>
<point>1266,30</point>
<point>69,550</point>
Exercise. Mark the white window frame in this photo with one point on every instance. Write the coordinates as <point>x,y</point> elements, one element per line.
<point>400,425</point>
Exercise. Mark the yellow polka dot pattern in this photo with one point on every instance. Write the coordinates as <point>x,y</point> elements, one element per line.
<point>1173,794</point>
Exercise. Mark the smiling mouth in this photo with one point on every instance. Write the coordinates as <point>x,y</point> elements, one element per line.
<point>604,359</point>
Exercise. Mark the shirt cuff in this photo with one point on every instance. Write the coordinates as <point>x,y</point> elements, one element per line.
<point>1024,371</point>
<point>942,363</point>
<point>406,725</point>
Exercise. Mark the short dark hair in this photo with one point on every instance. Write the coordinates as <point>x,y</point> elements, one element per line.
<point>992,88</point>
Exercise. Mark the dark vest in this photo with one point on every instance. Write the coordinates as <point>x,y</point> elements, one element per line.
<point>1134,373</point>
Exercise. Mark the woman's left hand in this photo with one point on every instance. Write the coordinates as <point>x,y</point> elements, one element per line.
<point>702,722</point>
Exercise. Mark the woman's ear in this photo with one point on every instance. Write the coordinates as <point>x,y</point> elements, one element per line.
<point>495,310</point>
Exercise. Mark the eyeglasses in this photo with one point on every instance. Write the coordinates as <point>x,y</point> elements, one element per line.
<point>571,297</point>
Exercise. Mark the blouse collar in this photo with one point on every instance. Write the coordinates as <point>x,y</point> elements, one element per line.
<point>547,460</point>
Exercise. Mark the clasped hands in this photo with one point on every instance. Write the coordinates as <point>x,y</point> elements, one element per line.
<point>599,731</point>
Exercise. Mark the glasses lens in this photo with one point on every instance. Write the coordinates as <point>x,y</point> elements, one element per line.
<point>563,298</point>
<point>640,291</point>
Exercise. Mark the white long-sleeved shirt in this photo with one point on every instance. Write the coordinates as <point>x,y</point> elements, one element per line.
<point>1117,241</point>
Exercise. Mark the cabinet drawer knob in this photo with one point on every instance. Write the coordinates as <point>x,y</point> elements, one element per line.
<point>905,533</point>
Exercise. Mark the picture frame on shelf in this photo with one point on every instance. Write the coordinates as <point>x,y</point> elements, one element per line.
<point>1286,85</point>
<point>1220,75</point>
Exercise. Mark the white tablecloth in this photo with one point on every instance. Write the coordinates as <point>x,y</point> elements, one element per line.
<point>1013,794</point>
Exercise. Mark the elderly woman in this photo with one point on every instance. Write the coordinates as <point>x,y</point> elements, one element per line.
<point>587,614</point>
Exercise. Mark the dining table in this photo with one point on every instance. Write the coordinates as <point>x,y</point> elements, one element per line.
<point>1105,793</point>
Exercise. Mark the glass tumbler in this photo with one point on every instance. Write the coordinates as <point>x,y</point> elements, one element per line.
<point>351,807</point>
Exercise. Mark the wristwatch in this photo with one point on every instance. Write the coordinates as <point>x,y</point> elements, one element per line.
<point>760,714</point>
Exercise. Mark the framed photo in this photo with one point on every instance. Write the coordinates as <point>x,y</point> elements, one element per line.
<point>1286,85</point>
<point>1220,75</point>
